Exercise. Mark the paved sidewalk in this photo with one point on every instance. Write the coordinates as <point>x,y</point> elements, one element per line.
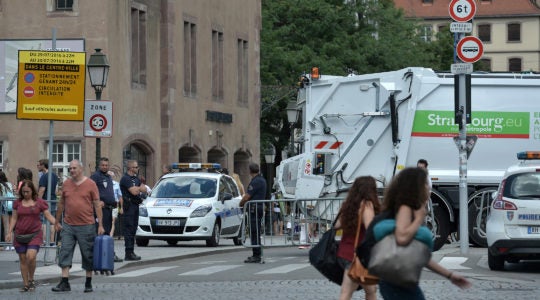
<point>157,251</point>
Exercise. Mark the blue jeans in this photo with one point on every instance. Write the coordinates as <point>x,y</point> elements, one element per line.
<point>393,292</point>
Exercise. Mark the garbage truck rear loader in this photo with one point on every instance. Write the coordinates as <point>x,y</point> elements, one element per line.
<point>378,124</point>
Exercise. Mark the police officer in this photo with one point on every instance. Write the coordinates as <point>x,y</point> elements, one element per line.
<point>132,196</point>
<point>106,195</point>
<point>256,191</point>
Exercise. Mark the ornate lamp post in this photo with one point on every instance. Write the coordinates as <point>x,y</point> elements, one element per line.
<point>98,71</point>
<point>292,117</point>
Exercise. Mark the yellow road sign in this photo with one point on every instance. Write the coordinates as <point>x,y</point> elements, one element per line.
<point>51,85</point>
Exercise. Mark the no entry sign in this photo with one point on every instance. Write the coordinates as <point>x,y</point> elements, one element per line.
<point>470,49</point>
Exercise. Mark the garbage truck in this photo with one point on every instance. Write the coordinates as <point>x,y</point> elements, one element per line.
<point>377,124</point>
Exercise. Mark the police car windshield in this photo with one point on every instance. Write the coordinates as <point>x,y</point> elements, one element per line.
<point>185,187</point>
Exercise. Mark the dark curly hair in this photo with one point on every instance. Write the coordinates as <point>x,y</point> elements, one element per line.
<point>364,188</point>
<point>408,187</point>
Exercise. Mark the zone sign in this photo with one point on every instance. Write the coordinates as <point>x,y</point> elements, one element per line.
<point>470,49</point>
<point>462,10</point>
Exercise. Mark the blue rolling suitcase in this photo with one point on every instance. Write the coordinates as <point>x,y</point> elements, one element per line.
<point>104,254</point>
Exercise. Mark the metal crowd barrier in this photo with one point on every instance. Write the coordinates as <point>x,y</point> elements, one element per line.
<point>303,221</point>
<point>4,226</point>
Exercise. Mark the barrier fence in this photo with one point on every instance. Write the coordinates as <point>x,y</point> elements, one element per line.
<point>300,222</point>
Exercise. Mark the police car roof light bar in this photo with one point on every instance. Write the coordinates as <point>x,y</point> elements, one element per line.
<point>195,166</point>
<point>528,155</point>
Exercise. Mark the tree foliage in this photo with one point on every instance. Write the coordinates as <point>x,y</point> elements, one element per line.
<point>339,37</point>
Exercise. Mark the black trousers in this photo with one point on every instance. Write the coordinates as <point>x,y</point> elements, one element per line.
<point>255,219</point>
<point>131,221</point>
<point>107,218</point>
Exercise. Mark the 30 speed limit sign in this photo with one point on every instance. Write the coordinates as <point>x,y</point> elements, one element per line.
<point>98,118</point>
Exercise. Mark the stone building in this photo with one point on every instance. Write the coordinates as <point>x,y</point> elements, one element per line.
<point>509,30</point>
<point>184,82</point>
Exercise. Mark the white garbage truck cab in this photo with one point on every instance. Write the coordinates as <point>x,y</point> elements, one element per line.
<point>378,124</point>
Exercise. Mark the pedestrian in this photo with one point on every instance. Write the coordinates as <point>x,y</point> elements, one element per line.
<point>422,163</point>
<point>28,234</point>
<point>405,200</point>
<point>117,198</point>
<point>43,168</point>
<point>6,190</point>
<point>22,174</point>
<point>256,191</point>
<point>132,190</point>
<point>236,178</point>
<point>106,196</point>
<point>148,189</point>
<point>363,193</point>
<point>80,198</point>
<point>278,219</point>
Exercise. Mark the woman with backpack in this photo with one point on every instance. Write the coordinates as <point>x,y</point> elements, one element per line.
<point>6,191</point>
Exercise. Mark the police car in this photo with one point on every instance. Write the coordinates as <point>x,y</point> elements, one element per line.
<point>196,203</point>
<point>513,224</point>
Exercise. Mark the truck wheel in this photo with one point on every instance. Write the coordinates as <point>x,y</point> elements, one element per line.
<point>495,263</point>
<point>479,203</point>
<point>213,241</point>
<point>442,227</point>
<point>142,242</point>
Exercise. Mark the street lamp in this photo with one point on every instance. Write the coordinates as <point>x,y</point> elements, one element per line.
<point>270,157</point>
<point>292,117</point>
<point>98,71</point>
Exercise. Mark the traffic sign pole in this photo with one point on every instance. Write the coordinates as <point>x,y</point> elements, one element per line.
<point>463,11</point>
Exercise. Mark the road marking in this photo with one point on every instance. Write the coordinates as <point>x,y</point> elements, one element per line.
<point>52,270</point>
<point>144,271</point>
<point>210,270</point>
<point>454,263</point>
<point>210,262</point>
<point>284,269</point>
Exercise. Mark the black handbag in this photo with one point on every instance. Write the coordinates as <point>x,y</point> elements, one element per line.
<point>323,256</point>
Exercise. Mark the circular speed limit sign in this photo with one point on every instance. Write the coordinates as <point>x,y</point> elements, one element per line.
<point>98,122</point>
<point>462,10</point>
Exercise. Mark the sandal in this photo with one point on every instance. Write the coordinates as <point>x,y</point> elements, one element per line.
<point>24,289</point>
<point>32,285</point>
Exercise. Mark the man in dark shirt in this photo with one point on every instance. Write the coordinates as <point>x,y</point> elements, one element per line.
<point>106,195</point>
<point>132,193</point>
<point>256,191</point>
<point>43,167</point>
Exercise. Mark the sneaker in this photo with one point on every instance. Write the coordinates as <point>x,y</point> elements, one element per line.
<point>131,256</point>
<point>63,286</point>
<point>252,260</point>
<point>88,288</point>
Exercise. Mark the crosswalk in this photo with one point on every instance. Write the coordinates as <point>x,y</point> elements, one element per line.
<point>272,266</point>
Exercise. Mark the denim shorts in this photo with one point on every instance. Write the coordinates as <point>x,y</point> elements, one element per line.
<point>84,235</point>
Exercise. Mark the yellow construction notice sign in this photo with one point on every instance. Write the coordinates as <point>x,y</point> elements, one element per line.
<point>51,85</point>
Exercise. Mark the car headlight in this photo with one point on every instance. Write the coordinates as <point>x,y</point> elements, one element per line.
<point>201,211</point>
<point>143,212</point>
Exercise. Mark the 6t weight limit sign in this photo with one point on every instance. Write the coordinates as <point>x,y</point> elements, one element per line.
<point>98,118</point>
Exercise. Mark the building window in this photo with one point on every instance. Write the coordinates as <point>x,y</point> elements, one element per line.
<point>484,32</point>
<point>485,64</point>
<point>217,65</point>
<point>427,1</point>
<point>514,65</point>
<point>242,72</point>
<point>63,5</point>
<point>63,153</point>
<point>427,33</point>
<point>190,59</point>
<point>138,44</point>
<point>514,32</point>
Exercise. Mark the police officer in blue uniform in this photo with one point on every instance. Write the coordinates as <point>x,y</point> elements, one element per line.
<point>132,196</point>
<point>256,191</point>
<point>106,194</point>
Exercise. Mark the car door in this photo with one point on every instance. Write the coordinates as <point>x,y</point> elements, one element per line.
<point>230,218</point>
